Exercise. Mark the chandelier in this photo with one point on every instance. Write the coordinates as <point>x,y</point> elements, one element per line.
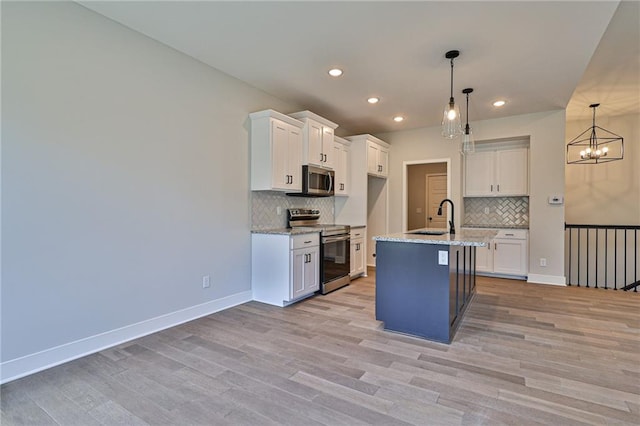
<point>594,148</point>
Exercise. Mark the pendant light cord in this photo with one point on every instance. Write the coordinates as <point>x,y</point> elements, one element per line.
<point>451,97</point>
<point>466,127</point>
<point>593,138</point>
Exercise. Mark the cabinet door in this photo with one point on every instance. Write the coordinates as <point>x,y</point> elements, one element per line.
<point>383,162</point>
<point>312,271</point>
<point>294,159</point>
<point>359,256</point>
<point>352,258</point>
<point>327,148</point>
<point>298,262</point>
<point>305,275</point>
<point>340,165</point>
<point>512,172</point>
<point>479,174</point>
<point>372,159</point>
<point>315,154</point>
<point>510,256</point>
<point>484,258</point>
<point>280,173</point>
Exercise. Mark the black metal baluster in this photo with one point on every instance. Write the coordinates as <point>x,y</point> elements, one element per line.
<point>597,257</point>
<point>578,257</point>
<point>625,258</point>
<point>588,257</point>
<point>635,260</point>
<point>615,261</point>
<point>570,258</point>
<point>606,257</point>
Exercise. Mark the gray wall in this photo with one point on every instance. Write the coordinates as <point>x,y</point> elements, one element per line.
<point>608,193</point>
<point>124,179</point>
<point>546,157</point>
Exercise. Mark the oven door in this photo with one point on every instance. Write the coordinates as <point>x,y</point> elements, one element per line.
<point>336,262</point>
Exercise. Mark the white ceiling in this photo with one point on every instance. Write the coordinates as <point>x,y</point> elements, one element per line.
<point>532,54</point>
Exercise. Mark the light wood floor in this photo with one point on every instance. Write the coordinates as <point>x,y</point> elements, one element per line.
<point>525,354</point>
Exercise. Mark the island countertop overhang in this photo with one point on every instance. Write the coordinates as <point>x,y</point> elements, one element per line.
<point>464,237</point>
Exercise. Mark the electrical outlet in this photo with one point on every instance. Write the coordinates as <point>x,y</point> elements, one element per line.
<point>278,210</point>
<point>486,210</point>
<point>206,281</point>
<point>443,257</point>
<point>543,261</point>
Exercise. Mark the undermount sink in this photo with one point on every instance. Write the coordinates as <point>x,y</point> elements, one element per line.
<point>424,232</point>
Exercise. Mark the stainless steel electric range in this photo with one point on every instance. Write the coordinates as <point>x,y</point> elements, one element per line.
<point>334,248</point>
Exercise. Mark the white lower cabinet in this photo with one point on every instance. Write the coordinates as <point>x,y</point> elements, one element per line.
<point>357,252</point>
<point>510,256</point>
<point>484,258</point>
<point>284,268</point>
<point>507,254</point>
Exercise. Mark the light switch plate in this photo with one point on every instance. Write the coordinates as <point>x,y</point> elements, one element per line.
<point>556,199</point>
<point>443,257</point>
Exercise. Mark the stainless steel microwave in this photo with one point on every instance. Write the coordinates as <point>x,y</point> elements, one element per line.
<point>316,182</point>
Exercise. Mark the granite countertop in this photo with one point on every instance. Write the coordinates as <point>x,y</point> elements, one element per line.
<point>497,226</point>
<point>463,237</point>
<point>286,231</point>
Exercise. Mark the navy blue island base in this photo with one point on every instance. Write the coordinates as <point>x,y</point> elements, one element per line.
<point>419,296</point>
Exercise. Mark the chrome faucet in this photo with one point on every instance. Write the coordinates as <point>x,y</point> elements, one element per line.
<point>452,228</point>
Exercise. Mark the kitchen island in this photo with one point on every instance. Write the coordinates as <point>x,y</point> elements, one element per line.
<point>425,279</point>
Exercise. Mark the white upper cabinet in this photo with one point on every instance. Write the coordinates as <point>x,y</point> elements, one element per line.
<point>317,140</point>
<point>341,158</point>
<point>377,158</point>
<point>497,173</point>
<point>512,171</point>
<point>276,152</point>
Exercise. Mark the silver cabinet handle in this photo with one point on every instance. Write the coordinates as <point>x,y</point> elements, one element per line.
<point>498,188</point>
<point>491,188</point>
<point>308,242</point>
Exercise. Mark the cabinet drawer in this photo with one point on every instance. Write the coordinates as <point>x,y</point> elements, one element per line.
<point>357,233</point>
<point>305,240</point>
<point>513,234</point>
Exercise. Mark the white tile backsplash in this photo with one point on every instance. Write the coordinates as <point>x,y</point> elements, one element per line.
<point>264,208</point>
<point>496,211</point>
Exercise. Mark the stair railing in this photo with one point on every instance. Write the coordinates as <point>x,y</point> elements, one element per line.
<point>602,256</point>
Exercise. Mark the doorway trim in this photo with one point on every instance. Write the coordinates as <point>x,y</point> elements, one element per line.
<point>405,198</point>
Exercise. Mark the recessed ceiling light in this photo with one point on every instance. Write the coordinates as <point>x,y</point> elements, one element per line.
<point>335,72</point>
<point>398,118</point>
<point>499,103</point>
<point>373,100</point>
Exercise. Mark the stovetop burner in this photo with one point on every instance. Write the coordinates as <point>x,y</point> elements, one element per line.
<point>303,217</point>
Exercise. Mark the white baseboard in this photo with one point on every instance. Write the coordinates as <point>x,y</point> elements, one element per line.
<point>547,279</point>
<point>29,364</point>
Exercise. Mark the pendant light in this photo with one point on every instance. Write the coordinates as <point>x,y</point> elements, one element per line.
<point>595,149</point>
<point>451,126</point>
<point>468,143</point>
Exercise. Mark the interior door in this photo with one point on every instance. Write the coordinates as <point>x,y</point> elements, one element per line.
<point>436,192</point>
